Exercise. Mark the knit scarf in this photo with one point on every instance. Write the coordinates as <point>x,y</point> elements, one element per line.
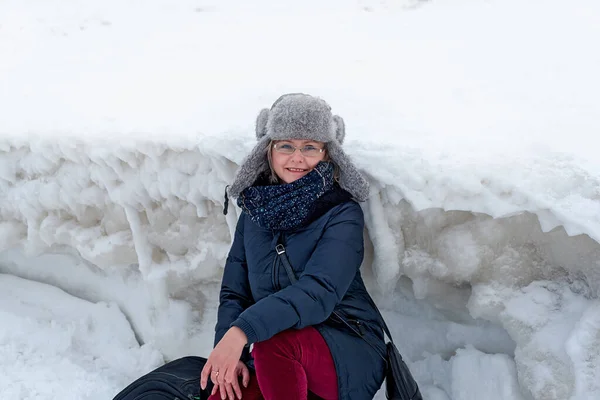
<point>287,206</point>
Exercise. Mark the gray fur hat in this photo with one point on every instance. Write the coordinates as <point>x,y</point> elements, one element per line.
<point>304,117</point>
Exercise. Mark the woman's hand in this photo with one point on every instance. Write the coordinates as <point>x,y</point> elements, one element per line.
<point>223,360</point>
<point>228,389</point>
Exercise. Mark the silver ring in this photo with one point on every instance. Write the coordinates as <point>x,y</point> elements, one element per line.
<point>216,373</point>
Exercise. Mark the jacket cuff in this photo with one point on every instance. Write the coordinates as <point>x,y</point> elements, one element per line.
<point>247,329</point>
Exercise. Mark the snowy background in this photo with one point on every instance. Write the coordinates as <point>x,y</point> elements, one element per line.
<point>475,121</point>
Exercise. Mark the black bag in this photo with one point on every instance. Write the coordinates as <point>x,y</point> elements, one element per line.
<point>177,380</point>
<point>399,382</point>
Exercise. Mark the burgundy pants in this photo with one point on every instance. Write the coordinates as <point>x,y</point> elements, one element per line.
<point>292,365</point>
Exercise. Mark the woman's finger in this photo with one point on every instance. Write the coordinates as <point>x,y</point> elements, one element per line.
<point>214,390</point>
<point>220,377</point>
<point>230,394</point>
<point>245,376</point>
<point>230,375</point>
<point>206,372</point>
<point>232,379</point>
<point>223,392</point>
<point>235,385</point>
<point>214,377</point>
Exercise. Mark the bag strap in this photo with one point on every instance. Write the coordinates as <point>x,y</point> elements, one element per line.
<point>381,320</point>
<point>280,249</point>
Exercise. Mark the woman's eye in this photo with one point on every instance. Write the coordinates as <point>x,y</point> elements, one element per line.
<point>286,146</point>
<point>310,147</point>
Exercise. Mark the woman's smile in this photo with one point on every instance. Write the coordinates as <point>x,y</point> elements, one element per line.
<point>296,170</point>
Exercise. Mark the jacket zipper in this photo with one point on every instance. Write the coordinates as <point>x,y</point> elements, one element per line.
<point>275,277</point>
<point>359,326</point>
<point>351,323</point>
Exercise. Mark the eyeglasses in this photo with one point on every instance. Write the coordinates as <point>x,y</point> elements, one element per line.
<point>309,150</point>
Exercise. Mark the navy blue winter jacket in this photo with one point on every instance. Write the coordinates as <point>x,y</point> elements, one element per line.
<point>257,296</point>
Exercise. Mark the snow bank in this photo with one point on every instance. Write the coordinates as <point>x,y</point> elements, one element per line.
<point>483,224</point>
<point>69,344</point>
<point>142,226</point>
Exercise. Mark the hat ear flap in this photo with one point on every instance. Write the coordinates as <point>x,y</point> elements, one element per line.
<point>261,123</point>
<point>340,129</point>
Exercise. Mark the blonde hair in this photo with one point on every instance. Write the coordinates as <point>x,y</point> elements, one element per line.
<point>273,178</point>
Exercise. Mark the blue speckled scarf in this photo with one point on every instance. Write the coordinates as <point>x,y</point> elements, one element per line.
<point>287,206</point>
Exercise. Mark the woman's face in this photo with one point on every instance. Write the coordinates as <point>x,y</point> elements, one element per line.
<point>290,167</point>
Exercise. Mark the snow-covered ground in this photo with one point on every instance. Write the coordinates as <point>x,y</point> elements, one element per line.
<point>475,121</point>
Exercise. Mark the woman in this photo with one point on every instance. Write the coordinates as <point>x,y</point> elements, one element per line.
<point>318,336</point>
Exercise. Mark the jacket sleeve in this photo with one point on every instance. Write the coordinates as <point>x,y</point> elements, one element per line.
<point>235,294</point>
<point>321,286</point>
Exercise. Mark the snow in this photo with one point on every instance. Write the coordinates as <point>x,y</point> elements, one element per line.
<point>475,123</point>
<point>54,345</point>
